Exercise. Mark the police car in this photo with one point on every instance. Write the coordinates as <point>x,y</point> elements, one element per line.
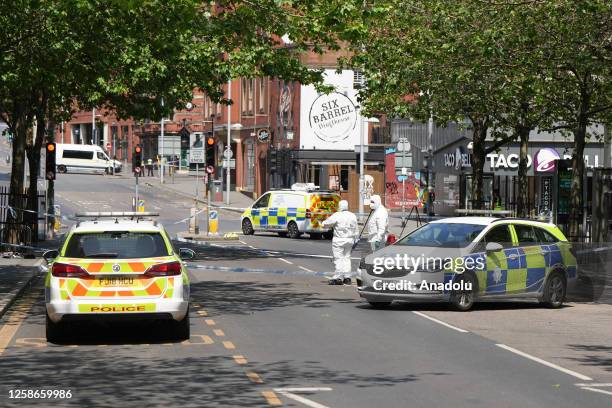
<point>465,259</point>
<point>291,212</point>
<point>116,266</point>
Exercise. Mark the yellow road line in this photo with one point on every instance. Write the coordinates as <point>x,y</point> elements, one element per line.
<point>210,322</point>
<point>229,345</point>
<point>240,359</point>
<point>271,398</point>
<point>202,313</point>
<point>219,332</point>
<point>254,377</point>
<point>15,319</point>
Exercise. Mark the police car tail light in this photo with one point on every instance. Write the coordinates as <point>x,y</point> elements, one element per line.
<point>164,269</point>
<point>62,270</point>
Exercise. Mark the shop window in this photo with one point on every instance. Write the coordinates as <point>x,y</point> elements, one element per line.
<point>344,178</point>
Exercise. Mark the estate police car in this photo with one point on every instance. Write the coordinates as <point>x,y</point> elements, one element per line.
<point>117,266</point>
<point>464,259</point>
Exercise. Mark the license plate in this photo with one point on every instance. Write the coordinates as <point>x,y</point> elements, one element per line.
<point>116,281</point>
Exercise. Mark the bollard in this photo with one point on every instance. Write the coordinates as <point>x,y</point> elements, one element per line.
<point>213,223</point>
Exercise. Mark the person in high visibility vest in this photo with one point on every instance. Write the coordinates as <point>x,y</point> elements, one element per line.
<point>150,167</point>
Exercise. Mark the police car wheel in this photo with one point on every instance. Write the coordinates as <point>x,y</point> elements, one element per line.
<point>554,291</point>
<point>181,330</point>
<point>328,235</point>
<point>54,331</point>
<point>293,230</point>
<point>463,300</point>
<point>247,227</point>
<point>379,305</point>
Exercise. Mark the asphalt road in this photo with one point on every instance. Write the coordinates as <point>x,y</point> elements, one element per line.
<point>284,337</point>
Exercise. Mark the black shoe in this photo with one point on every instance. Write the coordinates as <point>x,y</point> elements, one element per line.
<point>335,282</point>
<point>347,281</point>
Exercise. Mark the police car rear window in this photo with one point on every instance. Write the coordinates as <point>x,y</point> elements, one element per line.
<point>116,245</point>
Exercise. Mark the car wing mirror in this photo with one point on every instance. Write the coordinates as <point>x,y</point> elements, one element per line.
<point>493,247</point>
<point>51,254</point>
<point>186,253</point>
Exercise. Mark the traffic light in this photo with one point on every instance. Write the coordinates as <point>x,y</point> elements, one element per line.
<point>210,150</point>
<point>273,160</point>
<point>137,159</point>
<point>50,161</point>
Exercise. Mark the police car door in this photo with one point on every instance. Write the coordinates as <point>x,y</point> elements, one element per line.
<point>259,212</point>
<point>501,265</point>
<point>532,259</point>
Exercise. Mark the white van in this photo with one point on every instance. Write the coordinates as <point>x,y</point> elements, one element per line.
<point>83,158</point>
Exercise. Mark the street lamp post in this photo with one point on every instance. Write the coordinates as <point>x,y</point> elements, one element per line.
<point>229,124</point>
<point>161,147</point>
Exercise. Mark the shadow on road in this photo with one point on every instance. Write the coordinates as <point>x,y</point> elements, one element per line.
<point>602,359</point>
<point>248,297</point>
<point>445,306</point>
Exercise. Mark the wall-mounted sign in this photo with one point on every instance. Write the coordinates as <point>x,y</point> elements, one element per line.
<point>330,121</point>
<point>263,135</point>
<point>457,160</point>
<point>332,117</point>
<point>546,160</point>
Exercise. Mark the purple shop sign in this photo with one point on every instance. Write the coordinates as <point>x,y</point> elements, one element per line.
<point>546,160</point>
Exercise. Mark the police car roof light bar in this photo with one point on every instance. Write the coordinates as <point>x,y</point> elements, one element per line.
<point>113,214</point>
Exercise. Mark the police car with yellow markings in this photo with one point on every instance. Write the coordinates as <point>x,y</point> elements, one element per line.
<point>465,259</point>
<point>292,212</point>
<point>117,265</point>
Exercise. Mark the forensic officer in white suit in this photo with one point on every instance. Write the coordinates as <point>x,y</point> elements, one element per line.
<point>378,224</point>
<point>346,232</point>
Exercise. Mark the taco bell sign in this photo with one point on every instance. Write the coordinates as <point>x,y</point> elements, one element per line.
<point>545,160</point>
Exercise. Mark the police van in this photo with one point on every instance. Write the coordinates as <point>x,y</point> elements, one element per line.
<point>292,212</point>
<point>84,158</point>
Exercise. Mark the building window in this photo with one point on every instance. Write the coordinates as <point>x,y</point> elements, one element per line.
<point>247,97</point>
<point>250,167</point>
<point>261,105</point>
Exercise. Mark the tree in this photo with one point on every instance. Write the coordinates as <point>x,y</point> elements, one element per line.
<point>126,55</point>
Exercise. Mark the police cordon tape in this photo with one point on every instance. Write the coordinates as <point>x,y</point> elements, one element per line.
<point>251,270</point>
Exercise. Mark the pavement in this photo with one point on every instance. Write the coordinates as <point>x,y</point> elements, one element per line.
<point>16,275</point>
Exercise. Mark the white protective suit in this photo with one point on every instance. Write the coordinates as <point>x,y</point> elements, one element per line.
<point>346,232</point>
<point>378,223</point>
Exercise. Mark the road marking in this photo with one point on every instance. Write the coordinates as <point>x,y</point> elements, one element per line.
<point>285,261</point>
<point>202,313</point>
<point>210,322</point>
<point>240,359</point>
<point>304,268</point>
<point>251,246</point>
<point>450,326</point>
<point>229,345</point>
<point>597,390</point>
<point>15,319</point>
<point>289,393</point>
<point>205,339</point>
<point>271,398</point>
<point>546,363</point>
<point>219,333</point>
<point>36,342</point>
<point>254,377</point>
<point>594,385</point>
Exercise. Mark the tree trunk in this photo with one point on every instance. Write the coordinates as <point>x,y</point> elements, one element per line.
<point>51,183</point>
<point>33,153</point>
<point>13,230</point>
<point>575,215</point>
<point>522,208</point>
<point>478,162</point>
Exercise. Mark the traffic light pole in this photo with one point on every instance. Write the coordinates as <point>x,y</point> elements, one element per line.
<point>136,191</point>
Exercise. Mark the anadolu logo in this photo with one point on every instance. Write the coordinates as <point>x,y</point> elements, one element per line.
<point>545,160</point>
